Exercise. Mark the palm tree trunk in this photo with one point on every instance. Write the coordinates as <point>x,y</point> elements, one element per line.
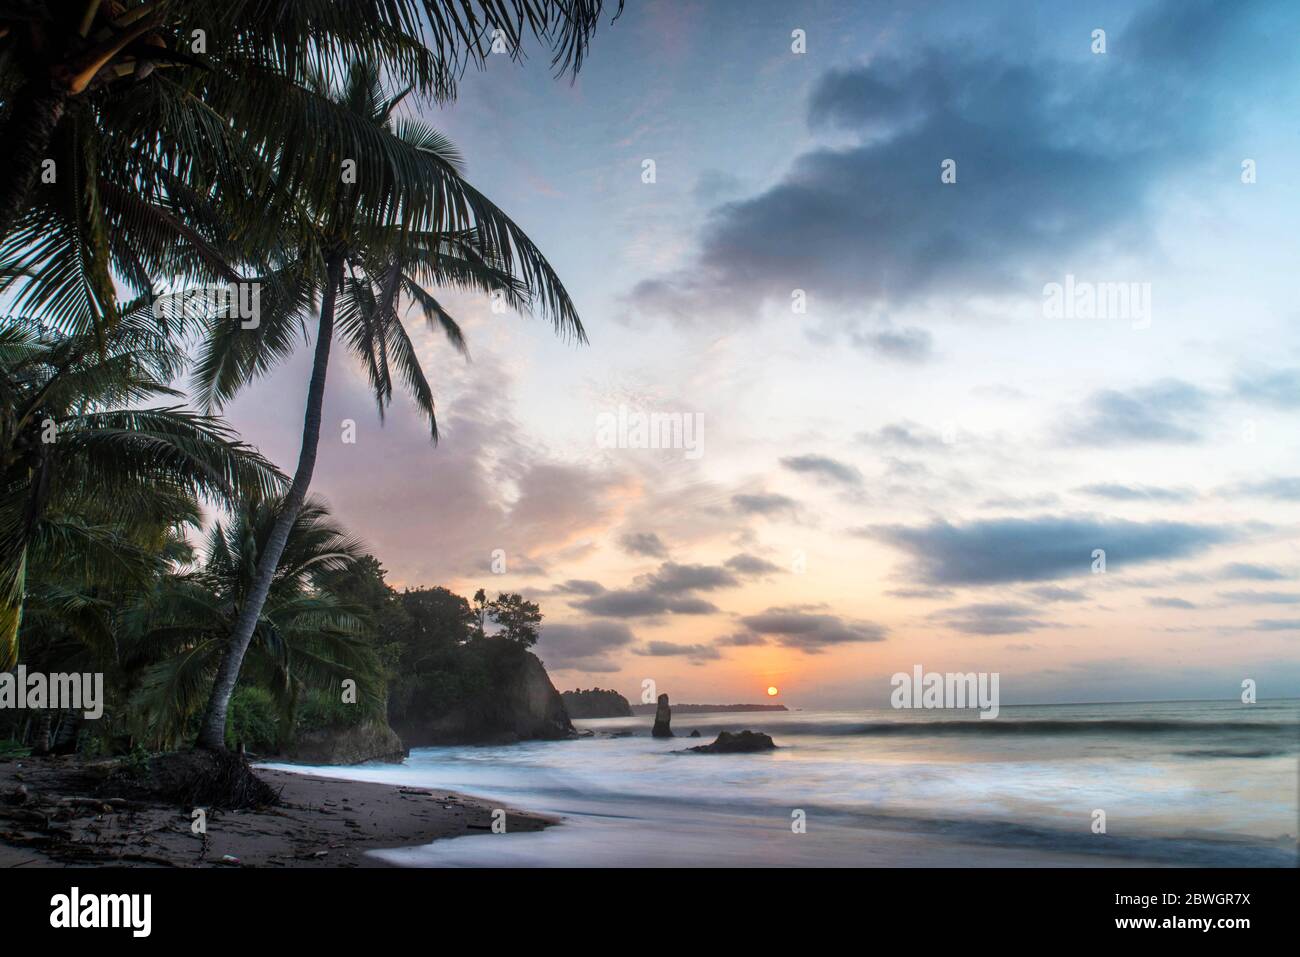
<point>212,735</point>
<point>41,739</point>
<point>35,111</point>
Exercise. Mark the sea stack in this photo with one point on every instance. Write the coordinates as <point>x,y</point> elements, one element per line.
<point>663,715</point>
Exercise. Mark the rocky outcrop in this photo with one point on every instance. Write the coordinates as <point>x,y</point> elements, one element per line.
<point>514,701</point>
<point>663,719</point>
<point>744,742</point>
<point>596,703</point>
<point>371,741</point>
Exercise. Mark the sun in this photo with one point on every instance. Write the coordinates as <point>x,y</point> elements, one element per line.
<point>773,691</point>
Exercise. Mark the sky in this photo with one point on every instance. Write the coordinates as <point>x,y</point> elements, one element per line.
<point>978,325</point>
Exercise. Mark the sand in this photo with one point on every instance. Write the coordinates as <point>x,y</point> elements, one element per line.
<point>321,822</point>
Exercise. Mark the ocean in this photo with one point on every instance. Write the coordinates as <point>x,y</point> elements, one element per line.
<point>1179,784</point>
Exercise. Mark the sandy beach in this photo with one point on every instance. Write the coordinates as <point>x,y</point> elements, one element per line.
<point>47,820</point>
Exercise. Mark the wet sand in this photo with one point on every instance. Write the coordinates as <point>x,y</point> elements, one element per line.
<point>47,820</point>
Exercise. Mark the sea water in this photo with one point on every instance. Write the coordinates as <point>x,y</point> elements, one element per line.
<point>1181,783</point>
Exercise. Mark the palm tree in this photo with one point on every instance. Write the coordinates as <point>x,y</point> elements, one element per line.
<point>125,63</point>
<point>358,261</point>
<point>304,637</point>
<point>83,468</point>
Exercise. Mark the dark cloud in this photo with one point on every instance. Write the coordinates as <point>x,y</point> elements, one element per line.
<point>671,649</point>
<point>1046,166</point>
<point>823,467</point>
<point>992,551</point>
<point>1167,412</point>
<point>919,592</point>
<point>1117,492</point>
<point>579,586</point>
<point>742,639</point>
<point>751,565</point>
<point>672,579</point>
<point>1161,601</point>
<point>810,632</point>
<point>667,590</point>
<point>1279,388</point>
<point>644,543</point>
<point>763,503</point>
<point>639,603</point>
<point>1055,593</point>
<point>905,435</point>
<point>582,647</point>
<point>990,618</point>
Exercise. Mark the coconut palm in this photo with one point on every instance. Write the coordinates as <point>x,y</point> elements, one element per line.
<point>84,469</point>
<point>124,63</point>
<point>304,637</point>
<point>358,263</point>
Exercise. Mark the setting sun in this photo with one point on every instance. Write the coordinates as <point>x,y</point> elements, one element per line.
<point>772,692</point>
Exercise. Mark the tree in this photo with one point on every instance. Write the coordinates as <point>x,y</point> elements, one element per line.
<point>81,467</point>
<point>225,60</point>
<point>359,262</point>
<point>306,636</point>
<point>520,620</point>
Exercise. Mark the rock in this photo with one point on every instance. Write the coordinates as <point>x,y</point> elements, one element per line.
<point>695,733</point>
<point>369,741</point>
<point>516,702</point>
<point>663,715</point>
<point>743,742</point>
<point>596,703</point>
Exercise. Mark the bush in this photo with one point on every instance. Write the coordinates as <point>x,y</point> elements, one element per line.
<point>325,710</point>
<point>252,719</point>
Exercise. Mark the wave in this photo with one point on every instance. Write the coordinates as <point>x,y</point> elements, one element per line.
<point>1040,727</point>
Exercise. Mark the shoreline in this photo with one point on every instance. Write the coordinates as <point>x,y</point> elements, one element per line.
<point>48,820</point>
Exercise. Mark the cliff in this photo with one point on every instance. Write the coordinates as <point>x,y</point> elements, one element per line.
<point>500,693</point>
<point>596,703</point>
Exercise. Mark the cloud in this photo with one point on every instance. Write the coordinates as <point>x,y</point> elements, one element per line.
<point>763,503</point>
<point>910,345</point>
<point>1276,624</point>
<point>1054,593</point>
<point>1249,571</point>
<point>644,543</point>
<point>1279,388</point>
<point>584,646</point>
<point>578,586</point>
<point>823,467</point>
<point>1160,601</point>
<point>638,603</point>
<point>1166,412</point>
<point>1261,597</point>
<point>1256,572</point>
<point>1046,167</point>
<point>751,565</point>
<point>990,618</point>
<point>993,551</point>
<point>741,639</point>
<point>1117,492</point>
<point>1282,488</point>
<point>669,649</point>
<point>667,590</point>
<point>906,435</point>
<point>810,632</point>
